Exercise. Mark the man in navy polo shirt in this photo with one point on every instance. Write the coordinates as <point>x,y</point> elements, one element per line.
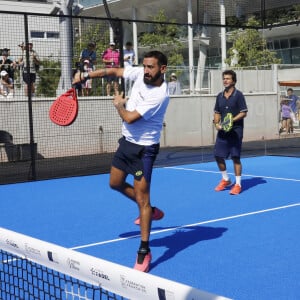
<point>229,143</point>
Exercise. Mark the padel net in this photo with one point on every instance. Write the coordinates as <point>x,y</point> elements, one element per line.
<point>34,269</point>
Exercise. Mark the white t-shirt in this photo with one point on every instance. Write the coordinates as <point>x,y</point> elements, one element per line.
<point>5,89</point>
<point>151,103</point>
<point>128,53</point>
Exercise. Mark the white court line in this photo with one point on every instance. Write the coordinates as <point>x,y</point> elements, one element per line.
<point>243,175</point>
<point>190,225</point>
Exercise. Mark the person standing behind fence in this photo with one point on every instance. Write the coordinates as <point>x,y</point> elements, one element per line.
<point>174,85</point>
<point>6,85</point>
<point>229,143</point>
<point>89,54</point>
<point>29,72</point>
<point>286,121</point>
<point>294,104</point>
<point>87,86</point>
<point>7,64</point>
<point>111,59</point>
<point>129,60</point>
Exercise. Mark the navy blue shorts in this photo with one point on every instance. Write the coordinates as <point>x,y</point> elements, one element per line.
<point>29,78</point>
<point>228,144</point>
<point>112,79</point>
<point>134,159</point>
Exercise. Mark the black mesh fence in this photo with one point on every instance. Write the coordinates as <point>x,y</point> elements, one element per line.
<point>33,148</point>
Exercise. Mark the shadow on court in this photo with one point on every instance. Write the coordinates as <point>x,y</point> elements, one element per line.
<point>249,183</point>
<point>183,238</point>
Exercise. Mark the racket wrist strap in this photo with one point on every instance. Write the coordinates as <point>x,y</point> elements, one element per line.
<point>86,75</point>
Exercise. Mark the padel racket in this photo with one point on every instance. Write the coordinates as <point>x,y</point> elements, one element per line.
<point>64,109</point>
<point>227,122</point>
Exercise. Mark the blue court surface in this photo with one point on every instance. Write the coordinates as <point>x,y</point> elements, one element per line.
<point>241,247</point>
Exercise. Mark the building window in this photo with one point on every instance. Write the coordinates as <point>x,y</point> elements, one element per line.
<point>37,34</point>
<point>44,35</point>
<point>295,42</point>
<point>52,35</point>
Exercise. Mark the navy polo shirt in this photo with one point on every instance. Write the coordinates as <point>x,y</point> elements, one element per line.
<point>235,104</point>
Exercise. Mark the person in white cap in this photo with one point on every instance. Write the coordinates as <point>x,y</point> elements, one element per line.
<point>174,85</point>
<point>6,85</point>
<point>111,59</point>
<point>87,86</point>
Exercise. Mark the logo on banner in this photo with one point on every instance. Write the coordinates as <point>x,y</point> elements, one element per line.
<point>126,283</point>
<point>73,264</point>
<point>99,274</point>
<point>32,250</point>
<point>52,257</point>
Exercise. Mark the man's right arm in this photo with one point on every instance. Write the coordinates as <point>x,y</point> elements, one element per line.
<point>81,76</point>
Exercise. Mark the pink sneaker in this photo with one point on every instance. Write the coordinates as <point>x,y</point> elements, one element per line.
<point>143,261</point>
<point>157,214</point>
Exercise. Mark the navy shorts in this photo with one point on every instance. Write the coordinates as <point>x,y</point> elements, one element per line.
<point>135,159</point>
<point>29,78</point>
<point>228,144</point>
<point>112,79</point>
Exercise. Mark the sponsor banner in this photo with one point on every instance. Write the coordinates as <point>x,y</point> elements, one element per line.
<point>115,278</point>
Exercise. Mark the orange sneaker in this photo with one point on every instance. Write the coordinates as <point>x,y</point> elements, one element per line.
<point>222,185</point>
<point>236,190</point>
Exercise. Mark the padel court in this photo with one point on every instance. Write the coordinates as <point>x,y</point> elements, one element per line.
<point>241,247</point>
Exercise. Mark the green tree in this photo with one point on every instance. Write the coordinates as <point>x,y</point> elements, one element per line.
<point>91,32</point>
<point>49,75</point>
<point>251,47</point>
<point>164,37</point>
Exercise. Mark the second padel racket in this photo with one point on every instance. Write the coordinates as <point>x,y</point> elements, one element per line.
<point>64,109</point>
<point>227,122</point>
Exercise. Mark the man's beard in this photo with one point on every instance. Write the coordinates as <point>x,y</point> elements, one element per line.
<point>153,79</point>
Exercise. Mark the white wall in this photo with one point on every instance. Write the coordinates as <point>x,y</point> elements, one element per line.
<point>188,122</point>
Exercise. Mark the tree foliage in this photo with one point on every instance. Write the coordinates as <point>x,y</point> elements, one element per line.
<point>49,75</point>
<point>251,47</point>
<point>92,32</point>
<point>164,37</point>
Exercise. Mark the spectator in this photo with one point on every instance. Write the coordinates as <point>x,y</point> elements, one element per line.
<point>6,63</point>
<point>77,85</point>
<point>87,86</point>
<point>89,54</point>
<point>294,104</point>
<point>29,72</point>
<point>286,121</point>
<point>111,59</point>
<point>129,60</point>
<point>129,55</point>
<point>6,85</point>
<point>174,85</point>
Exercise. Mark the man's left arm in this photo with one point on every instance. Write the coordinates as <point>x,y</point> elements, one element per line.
<point>127,116</point>
<point>240,116</point>
<point>243,109</point>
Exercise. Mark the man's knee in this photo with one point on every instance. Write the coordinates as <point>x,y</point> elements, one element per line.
<point>236,160</point>
<point>219,159</point>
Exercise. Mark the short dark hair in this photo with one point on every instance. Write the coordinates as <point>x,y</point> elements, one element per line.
<point>290,90</point>
<point>230,72</point>
<point>162,59</point>
<point>128,44</point>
